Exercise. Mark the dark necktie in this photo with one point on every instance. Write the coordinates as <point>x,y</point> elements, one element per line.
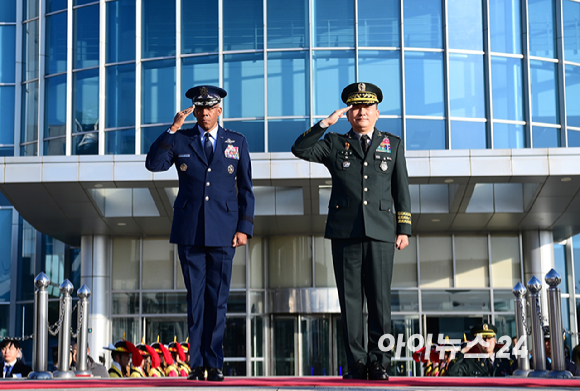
<point>8,370</point>
<point>490,366</point>
<point>208,147</point>
<point>364,140</point>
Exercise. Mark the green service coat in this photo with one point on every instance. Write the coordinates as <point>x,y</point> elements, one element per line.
<point>477,367</point>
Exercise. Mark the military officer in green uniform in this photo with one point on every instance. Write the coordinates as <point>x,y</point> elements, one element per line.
<point>483,362</point>
<point>369,177</point>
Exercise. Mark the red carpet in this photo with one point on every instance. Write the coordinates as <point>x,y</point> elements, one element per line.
<point>311,382</point>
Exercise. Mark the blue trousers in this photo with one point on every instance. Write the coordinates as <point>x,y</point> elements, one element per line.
<point>207,272</point>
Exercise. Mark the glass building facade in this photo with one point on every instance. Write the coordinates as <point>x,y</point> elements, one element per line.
<point>87,79</point>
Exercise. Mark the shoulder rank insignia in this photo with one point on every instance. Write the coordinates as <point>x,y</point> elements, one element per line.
<point>346,146</point>
<point>230,141</point>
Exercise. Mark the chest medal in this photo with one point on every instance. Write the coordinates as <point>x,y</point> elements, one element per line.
<point>183,167</point>
<point>346,164</point>
<point>230,169</point>
<point>384,166</point>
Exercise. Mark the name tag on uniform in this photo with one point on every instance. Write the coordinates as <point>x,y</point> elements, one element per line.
<point>186,155</point>
<point>232,152</point>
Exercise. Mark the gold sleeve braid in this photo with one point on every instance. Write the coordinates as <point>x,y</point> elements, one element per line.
<point>404,218</point>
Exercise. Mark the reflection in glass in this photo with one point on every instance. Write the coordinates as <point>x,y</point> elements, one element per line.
<point>121,31</point>
<point>120,142</point>
<point>204,29</point>
<point>237,302</point>
<point>543,78</point>
<point>505,26</point>
<point>238,280</point>
<point>468,135</point>
<point>284,341</point>
<point>29,130</point>
<point>158,256</point>
<point>560,265</point>
<point>424,134</point>
<point>288,24</point>
<point>465,24</point>
<point>235,337</point>
<point>256,303</point>
<point>576,257</point>
<point>503,301</point>
<point>283,133</point>
<point>125,274</point>
<point>391,125</point>
<point>6,114</point>
<point>572,94</point>
<point>29,9</point>
<point>247,32</point>
<point>256,263</point>
<point>405,266</point>
<point>505,261</point>
<point>86,37</point>
<point>56,43</point>
<point>542,34</point>
<point>26,262</point>
<point>423,24</point>
<point>167,328</point>
<point>8,11</point>
<point>288,83</point>
<point>55,103</point>
<point>196,71</point>
<point>6,151</point>
<point>164,302</point>
<point>158,94</point>
<point>86,100</point>
<point>545,137</point>
<point>506,324</point>
<point>85,143</point>
<point>402,301</point>
<point>253,130</point>
<point>378,23</point>
<point>508,136</point>
<point>4,320</point>
<point>466,85</point>
<point>573,138</point>
<point>30,50</point>
<point>456,300</point>
<point>436,262</point>
<point>315,345</point>
<point>424,83</point>
<point>571,16</point>
<point>5,256</point>
<point>235,368</point>
<point>506,75</point>
<point>55,5</point>
<point>471,262</point>
<point>158,28</point>
<point>7,54</point>
<point>127,328</point>
<point>149,135</point>
<point>244,82</point>
<point>332,71</point>
<point>333,23</point>
<point>257,323</point>
<point>383,68</point>
<point>323,267</point>
<point>290,262</point>
<point>125,303</point>
<point>120,96</point>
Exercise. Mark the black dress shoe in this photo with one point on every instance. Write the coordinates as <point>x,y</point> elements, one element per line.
<point>215,374</point>
<point>357,371</point>
<point>377,372</point>
<point>198,373</point>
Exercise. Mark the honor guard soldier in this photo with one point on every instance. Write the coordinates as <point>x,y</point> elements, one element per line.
<point>178,356</point>
<point>138,363</point>
<point>152,360</point>
<point>167,366</point>
<point>121,355</point>
<point>486,363</point>
<point>369,175</point>
<point>185,346</point>
<point>212,215</point>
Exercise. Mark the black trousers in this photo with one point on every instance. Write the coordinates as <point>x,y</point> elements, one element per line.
<point>364,267</point>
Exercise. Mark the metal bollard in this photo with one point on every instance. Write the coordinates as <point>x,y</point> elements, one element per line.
<point>539,351</point>
<point>39,355</point>
<point>64,371</point>
<point>83,335</point>
<point>520,305</point>
<point>553,279</point>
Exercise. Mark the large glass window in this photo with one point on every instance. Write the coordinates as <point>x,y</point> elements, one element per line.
<point>56,43</point>
<point>545,137</point>
<point>55,109</point>
<point>149,135</point>
<point>158,93</point>
<point>424,134</point>
<point>29,112</point>
<point>436,261</point>
<point>288,83</point>
<point>333,70</point>
<point>506,75</point>
<point>572,94</point>
<point>378,23</point>
<point>244,82</point>
<point>26,261</point>
<point>120,96</point>
<point>571,16</point>
<point>383,68</point>
<point>5,254</point>
<point>120,31</point>
<point>7,54</point>
<point>199,33</point>
<point>8,11</point>
<point>405,266</point>
<point>196,71</point>
<point>573,138</point>
<point>508,136</point>
<point>7,115</point>
<point>30,50</point>
<point>86,100</point>
<point>243,32</point>
<point>542,35</point>
<point>543,77</point>
<point>290,262</point>
<point>471,262</point>
<point>30,9</point>
<point>391,125</point>
<point>333,23</point>
<point>126,255</point>
<point>120,142</point>
<point>465,24</point>
<point>253,130</point>
<point>468,135</point>
<point>55,5</point>
<point>86,37</point>
<point>158,261</point>
<point>505,261</point>
<point>423,23</point>
<point>158,28</point>
<point>283,133</point>
<point>505,26</point>
<point>288,24</point>
<point>424,83</point>
<point>466,85</point>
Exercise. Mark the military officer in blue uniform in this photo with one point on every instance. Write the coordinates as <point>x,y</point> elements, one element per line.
<point>369,173</point>
<point>212,215</point>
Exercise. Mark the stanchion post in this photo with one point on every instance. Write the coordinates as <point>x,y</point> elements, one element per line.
<point>64,371</point>
<point>539,351</point>
<point>83,334</point>
<point>521,330</point>
<point>39,354</point>
<point>553,279</point>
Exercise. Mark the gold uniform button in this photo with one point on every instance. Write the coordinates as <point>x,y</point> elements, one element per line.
<point>366,163</point>
<point>336,206</point>
<point>366,177</point>
<point>364,202</point>
<point>207,198</point>
<point>365,189</point>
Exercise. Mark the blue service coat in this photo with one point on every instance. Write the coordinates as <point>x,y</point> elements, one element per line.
<point>215,199</point>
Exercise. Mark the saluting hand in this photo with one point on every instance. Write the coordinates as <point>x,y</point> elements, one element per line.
<point>334,117</point>
<point>179,119</point>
